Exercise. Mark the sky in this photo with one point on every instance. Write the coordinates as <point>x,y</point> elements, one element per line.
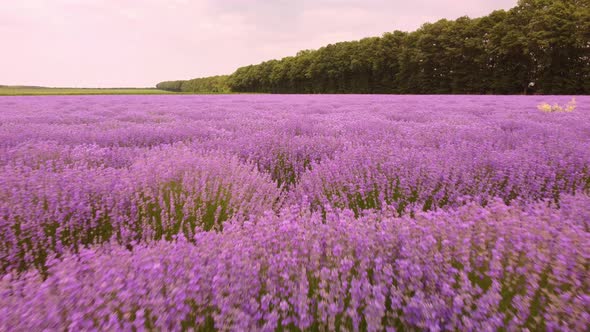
<point>138,43</point>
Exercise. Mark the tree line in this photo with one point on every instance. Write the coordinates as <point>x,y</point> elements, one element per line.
<point>539,46</point>
<point>212,84</point>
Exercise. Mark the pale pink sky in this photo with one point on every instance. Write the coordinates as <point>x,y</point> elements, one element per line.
<point>108,43</point>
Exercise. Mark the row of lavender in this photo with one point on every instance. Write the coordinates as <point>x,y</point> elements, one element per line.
<point>473,269</point>
<point>125,176</point>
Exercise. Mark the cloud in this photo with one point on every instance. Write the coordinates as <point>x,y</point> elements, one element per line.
<point>141,42</point>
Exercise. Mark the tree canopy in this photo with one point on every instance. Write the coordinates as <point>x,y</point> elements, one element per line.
<point>540,46</point>
<point>213,84</point>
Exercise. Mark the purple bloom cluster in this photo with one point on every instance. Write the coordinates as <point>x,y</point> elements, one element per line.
<point>166,191</point>
<point>293,212</point>
<point>473,269</point>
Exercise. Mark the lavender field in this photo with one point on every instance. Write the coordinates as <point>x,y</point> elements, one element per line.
<point>273,212</point>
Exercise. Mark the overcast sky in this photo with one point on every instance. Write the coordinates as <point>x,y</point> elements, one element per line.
<point>137,43</point>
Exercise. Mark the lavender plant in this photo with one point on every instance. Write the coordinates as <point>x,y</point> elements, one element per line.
<point>470,269</point>
<point>293,213</point>
<point>170,190</point>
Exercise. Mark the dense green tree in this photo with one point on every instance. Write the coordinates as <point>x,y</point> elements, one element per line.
<point>212,84</point>
<point>170,86</point>
<point>545,42</point>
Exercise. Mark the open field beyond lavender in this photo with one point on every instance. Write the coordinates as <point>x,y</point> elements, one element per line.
<point>266,212</point>
<point>42,91</point>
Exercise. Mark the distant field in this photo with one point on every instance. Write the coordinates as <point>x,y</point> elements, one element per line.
<point>34,91</point>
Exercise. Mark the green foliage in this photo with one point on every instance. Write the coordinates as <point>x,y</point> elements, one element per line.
<point>546,42</point>
<point>213,84</point>
<point>170,86</point>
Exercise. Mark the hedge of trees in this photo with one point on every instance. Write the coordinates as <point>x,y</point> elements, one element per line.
<point>213,84</point>
<point>544,42</point>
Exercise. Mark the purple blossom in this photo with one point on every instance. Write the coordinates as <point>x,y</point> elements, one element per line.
<point>261,212</point>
